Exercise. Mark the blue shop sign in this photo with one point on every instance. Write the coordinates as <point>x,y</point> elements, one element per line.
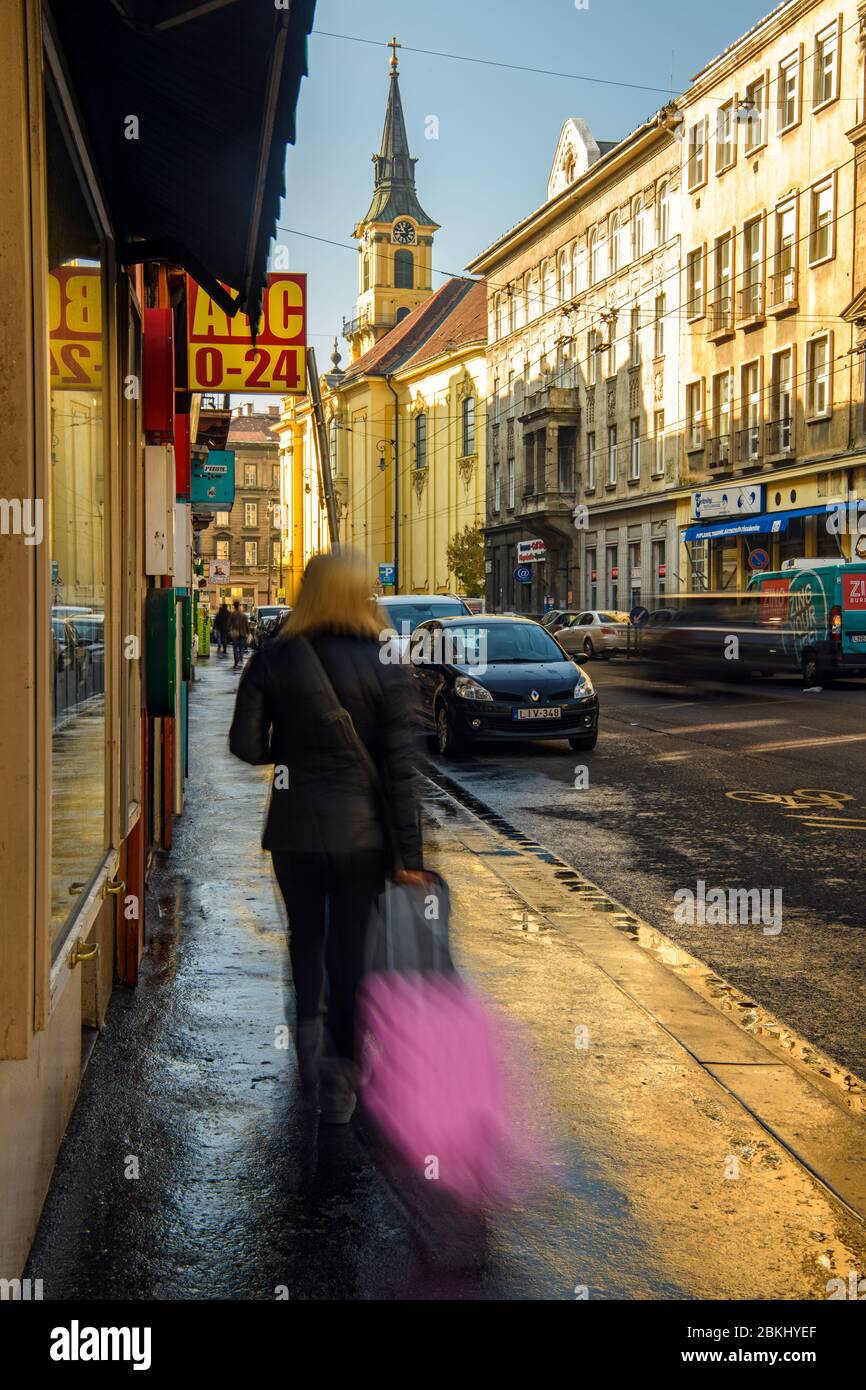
<point>213,479</point>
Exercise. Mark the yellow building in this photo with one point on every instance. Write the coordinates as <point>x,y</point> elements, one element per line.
<point>405,421</point>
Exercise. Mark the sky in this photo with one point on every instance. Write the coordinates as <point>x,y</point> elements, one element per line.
<point>497,127</point>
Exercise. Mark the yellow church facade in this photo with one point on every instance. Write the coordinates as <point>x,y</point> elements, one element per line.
<point>405,421</point>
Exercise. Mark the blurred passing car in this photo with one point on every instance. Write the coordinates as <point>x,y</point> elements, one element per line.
<point>594,634</point>
<point>71,663</point>
<point>499,678</point>
<point>721,636</point>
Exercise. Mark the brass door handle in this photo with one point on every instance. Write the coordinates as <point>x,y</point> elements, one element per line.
<point>81,951</point>
<point>113,886</point>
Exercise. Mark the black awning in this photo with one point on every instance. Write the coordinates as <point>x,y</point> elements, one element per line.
<point>213,86</point>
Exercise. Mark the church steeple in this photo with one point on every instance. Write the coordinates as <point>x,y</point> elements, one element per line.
<point>394,193</point>
<point>395,266</point>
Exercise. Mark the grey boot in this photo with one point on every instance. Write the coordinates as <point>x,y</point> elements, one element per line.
<point>337,1090</point>
<point>310,1038</point>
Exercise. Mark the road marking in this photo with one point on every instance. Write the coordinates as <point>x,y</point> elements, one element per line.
<point>671,757</point>
<point>831,822</point>
<point>807,743</point>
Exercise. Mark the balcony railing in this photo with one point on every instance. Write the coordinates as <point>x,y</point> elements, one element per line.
<point>780,436</point>
<point>750,302</point>
<point>719,451</point>
<point>749,444</point>
<point>721,314</point>
<point>783,289</point>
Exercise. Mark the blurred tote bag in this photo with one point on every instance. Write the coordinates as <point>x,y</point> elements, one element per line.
<point>430,1081</point>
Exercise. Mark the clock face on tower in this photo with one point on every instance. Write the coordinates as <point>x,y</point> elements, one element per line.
<point>404,232</point>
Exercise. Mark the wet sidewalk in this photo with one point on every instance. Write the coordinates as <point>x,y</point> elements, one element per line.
<point>190,1170</point>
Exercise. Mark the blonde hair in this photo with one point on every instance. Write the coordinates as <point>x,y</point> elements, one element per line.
<point>336,596</point>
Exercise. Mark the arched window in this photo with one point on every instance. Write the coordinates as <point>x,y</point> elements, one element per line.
<point>421,441</point>
<point>401,314</point>
<point>404,270</point>
<point>663,214</point>
<point>533,295</point>
<point>549,286</point>
<point>637,230</point>
<point>468,425</point>
<point>366,272</point>
<point>578,267</point>
<point>614,243</point>
<point>595,267</point>
<point>564,277</point>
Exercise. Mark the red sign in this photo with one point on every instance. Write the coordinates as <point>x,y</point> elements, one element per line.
<point>614,574</point>
<point>221,355</point>
<point>854,591</point>
<point>594,574</point>
<point>774,600</point>
<point>663,569</point>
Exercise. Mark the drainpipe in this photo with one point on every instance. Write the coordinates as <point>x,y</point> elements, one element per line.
<point>396,445</point>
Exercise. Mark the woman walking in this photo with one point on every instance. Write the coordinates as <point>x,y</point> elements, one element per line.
<point>335,721</point>
<point>221,628</point>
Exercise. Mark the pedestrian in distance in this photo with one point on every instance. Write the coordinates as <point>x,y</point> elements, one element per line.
<point>238,628</point>
<point>335,721</point>
<point>220,627</point>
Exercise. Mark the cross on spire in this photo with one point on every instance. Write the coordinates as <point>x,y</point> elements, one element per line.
<point>393,45</point>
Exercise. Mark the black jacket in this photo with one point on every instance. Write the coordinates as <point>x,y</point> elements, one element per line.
<point>330,805</point>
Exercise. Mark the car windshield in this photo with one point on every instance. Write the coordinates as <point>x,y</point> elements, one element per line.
<point>397,614</point>
<point>613,618</point>
<point>505,642</point>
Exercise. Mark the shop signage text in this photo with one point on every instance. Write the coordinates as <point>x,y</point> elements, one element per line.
<point>222,356</point>
<point>75,327</point>
<point>728,501</point>
<point>528,552</point>
<point>212,480</point>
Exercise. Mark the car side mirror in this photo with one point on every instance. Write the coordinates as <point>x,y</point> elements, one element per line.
<point>578,657</point>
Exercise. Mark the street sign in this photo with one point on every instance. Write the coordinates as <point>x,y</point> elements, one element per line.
<point>529,552</point>
<point>221,354</point>
<point>638,615</point>
<point>759,559</point>
<point>220,571</point>
<point>728,501</point>
<point>388,574</point>
<point>212,480</point>
<point>523,574</point>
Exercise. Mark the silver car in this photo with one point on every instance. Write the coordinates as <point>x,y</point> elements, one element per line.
<point>593,633</point>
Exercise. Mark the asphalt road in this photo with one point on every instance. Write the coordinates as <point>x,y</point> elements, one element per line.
<point>687,786</point>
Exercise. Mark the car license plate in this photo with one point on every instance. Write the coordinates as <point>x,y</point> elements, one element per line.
<point>547,712</point>
<point>858,636</point>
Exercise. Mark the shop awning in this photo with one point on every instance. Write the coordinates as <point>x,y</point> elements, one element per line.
<point>212,87</point>
<point>765,524</point>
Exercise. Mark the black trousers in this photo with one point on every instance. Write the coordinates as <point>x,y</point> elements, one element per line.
<point>328,900</point>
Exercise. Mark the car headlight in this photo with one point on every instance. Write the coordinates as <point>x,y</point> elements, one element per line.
<point>584,685</point>
<point>468,689</point>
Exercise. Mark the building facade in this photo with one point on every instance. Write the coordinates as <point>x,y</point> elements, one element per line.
<point>96,516</point>
<point>249,536</point>
<point>582,361</point>
<point>405,421</point>
<point>771,378</point>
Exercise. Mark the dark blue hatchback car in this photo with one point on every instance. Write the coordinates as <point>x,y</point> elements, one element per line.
<point>489,677</point>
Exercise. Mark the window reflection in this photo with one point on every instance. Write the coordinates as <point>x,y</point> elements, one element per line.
<point>76,531</point>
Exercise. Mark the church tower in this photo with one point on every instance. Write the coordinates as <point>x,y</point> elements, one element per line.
<point>395,238</point>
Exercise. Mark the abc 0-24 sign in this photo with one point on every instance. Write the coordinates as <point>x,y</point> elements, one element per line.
<point>221,354</point>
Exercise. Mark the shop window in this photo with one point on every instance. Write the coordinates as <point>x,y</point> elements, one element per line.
<point>75,529</point>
